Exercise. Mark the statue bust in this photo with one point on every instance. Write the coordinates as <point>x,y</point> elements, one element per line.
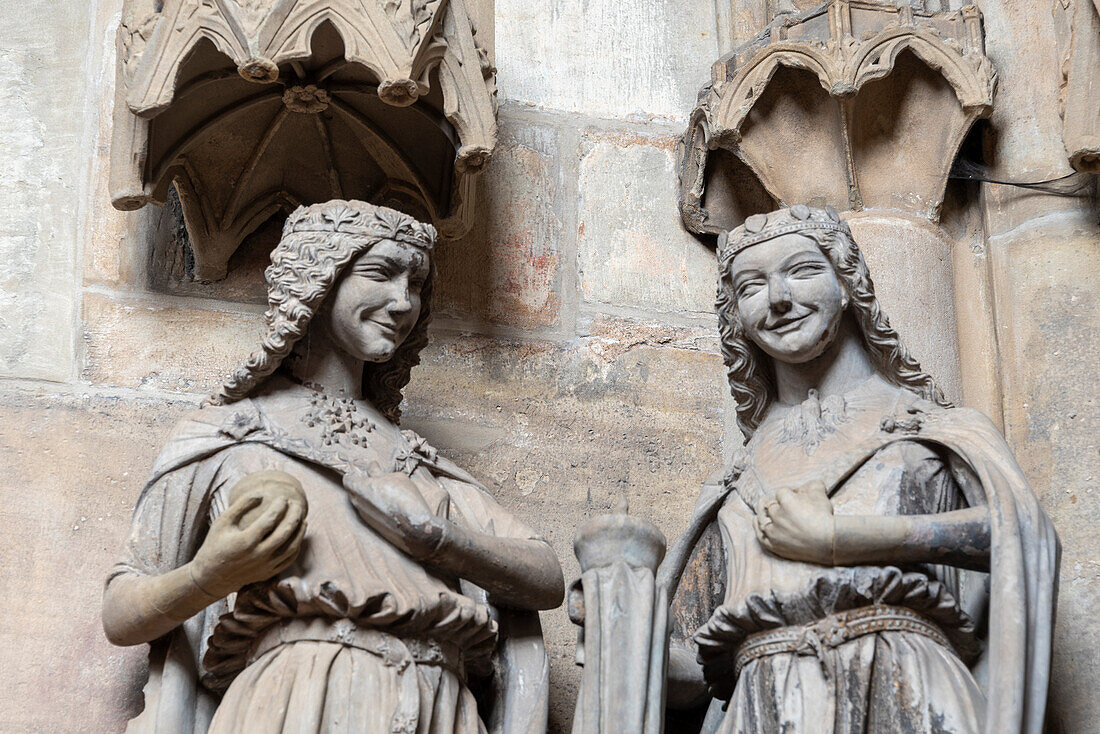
<point>872,559</point>
<point>300,563</point>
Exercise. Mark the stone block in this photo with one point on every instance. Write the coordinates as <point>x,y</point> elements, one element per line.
<point>153,344</point>
<point>73,468</point>
<point>559,432</point>
<point>1048,311</point>
<point>111,238</point>
<point>632,248</point>
<point>507,270</point>
<point>42,170</point>
<point>605,58</point>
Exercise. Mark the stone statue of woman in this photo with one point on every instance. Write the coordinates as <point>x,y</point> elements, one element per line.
<point>298,562</point>
<point>873,559</point>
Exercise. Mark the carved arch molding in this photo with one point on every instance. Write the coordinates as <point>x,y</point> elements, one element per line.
<point>856,104</point>
<point>252,107</point>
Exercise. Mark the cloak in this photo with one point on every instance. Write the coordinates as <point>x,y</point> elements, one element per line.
<point>177,502</point>
<point>1024,554</point>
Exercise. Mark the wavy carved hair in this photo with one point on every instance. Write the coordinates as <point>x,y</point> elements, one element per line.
<point>305,268</point>
<point>750,372</point>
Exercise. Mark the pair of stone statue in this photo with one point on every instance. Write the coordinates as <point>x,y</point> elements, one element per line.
<point>871,561</point>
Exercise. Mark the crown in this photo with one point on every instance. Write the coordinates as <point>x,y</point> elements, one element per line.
<point>360,219</point>
<point>762,227</point>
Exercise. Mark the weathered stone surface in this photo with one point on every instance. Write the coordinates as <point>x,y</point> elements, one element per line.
<point>845,112</point>
<point>517,414</point>
<point>508,269</point>
<point>559,433</point>
<point>140,343</point>
<point>42,170</point>
<point>604,57</point>
<point>632,249</point>
<point>73,467</point>
<point>1048,306</point>
<point>246,147</point>
<point>1022,41</point>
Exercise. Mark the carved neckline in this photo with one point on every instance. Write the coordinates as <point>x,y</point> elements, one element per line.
<point>339,417</point>
<point>342,420</point>
<point>811,422</point>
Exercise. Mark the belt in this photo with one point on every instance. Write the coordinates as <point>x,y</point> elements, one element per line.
<point>832,631</point>
<point>395,651</point>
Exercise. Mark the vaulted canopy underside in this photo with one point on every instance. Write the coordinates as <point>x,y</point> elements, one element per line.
<point>320,124</point>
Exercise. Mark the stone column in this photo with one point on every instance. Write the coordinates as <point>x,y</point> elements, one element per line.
<point>623,613</point>
<point>1043,248</point>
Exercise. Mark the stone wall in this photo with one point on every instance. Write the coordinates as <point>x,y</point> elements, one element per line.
<point>574,356</point>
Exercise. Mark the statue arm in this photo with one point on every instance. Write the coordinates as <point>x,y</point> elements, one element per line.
<point>517,573</point>
<point>139,608</point>
<point>958,538</point>
<point>240,547</point>
<point>520,573</point>
<point>799,524</point>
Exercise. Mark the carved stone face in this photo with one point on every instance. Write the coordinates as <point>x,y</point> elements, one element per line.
<point>377,301</point>
<point>788,297</point>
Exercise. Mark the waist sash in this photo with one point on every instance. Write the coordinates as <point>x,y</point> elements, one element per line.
<point>815,638</point>
<point>397,652</point>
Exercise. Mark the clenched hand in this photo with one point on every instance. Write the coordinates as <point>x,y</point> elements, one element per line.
<point>257,536</point>
<point>393,506</point>
<point>798,524</point>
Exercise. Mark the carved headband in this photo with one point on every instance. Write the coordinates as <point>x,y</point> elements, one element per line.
<point>763,227</point>
<point>360,219</point>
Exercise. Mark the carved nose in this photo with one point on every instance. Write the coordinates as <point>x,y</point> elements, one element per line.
<point>401,302</point>
<point>779,296</point>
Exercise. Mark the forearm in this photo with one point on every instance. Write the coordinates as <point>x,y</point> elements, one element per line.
<point>139,609</point>
<point>519,573</point>
<point>959,538</point>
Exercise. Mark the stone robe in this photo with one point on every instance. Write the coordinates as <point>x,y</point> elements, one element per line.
<point>375,641</point>
<point>880,451</point>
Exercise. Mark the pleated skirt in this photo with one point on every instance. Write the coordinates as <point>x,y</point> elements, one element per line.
<point>310,687</point>
<point>884,683</point>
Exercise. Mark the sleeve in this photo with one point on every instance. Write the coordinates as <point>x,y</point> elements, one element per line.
<point>928,486</point>
<point>933,483</point>
<point>174,512</point>
<point>474,508</point>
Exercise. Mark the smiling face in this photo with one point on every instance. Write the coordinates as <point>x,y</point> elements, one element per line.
<point>789,299</point>
<point>377,301</point>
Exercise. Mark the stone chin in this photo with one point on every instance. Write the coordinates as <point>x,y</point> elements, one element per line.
<point>803,348</point>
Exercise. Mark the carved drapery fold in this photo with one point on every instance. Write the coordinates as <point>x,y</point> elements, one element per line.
<point>250,107</point>
<point>818,108</point>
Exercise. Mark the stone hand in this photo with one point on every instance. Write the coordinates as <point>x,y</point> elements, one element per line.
<point>393,506</point>
<point>798,524</point>
<point>257,536</point>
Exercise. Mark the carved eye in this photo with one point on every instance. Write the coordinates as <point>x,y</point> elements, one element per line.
<point>373,271</point>
<point>749,289</point>
<point>806,270</point>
